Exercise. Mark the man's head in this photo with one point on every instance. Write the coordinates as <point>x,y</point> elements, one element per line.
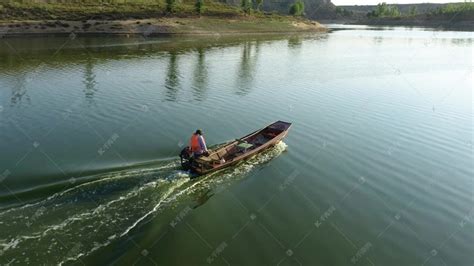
<point>198,132</point>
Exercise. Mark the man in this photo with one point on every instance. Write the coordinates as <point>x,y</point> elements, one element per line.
<point>197,144</point>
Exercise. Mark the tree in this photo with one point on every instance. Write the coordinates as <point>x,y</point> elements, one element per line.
<point>170,5</point>
<point>297,9</point>
<point>384,10</point>
<point>199,6</point>
<point>343,12</point>
<point>412,12</point>
<point>259,4</point>
<point>246,5</point>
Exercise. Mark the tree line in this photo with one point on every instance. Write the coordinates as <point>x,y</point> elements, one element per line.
<point>385,10</point>
<point>247,6</point>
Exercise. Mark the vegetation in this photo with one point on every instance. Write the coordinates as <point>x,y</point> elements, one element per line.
<point>384,10</point>
<point>343,12</point>
<point>412,11</point>
<point>199,6</point>
<point>153,17</point>
<point>170,5</point>
<point>297,8</point>
<point>259,4</point>
<point>455,8</point>
<point>246,6</point>
<point>77,10</point>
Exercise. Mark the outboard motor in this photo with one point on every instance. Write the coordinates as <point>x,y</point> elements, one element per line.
<point>186,159</point>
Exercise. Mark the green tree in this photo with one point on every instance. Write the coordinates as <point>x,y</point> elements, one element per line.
<point>384,10</point>
<point>412,11</point>
<point>259,4</point>
<point>199,6</point>
<point>343,12</point>
<point>170,5</point>
<point>246,6</point>
<point>297,8</point>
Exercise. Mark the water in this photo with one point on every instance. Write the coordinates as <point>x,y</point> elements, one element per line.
<point>377,168</point>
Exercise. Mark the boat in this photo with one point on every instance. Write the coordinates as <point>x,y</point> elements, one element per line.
<point>235,151</point>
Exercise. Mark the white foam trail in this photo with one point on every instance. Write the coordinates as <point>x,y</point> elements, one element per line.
<point>279,148</point>
<point>182,178</point>
<point>179,183</point>
<point>177,180</point>
<point>107,177</point>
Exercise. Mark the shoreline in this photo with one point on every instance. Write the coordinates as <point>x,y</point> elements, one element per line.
<point>169,26</point>
<point>431,24</point>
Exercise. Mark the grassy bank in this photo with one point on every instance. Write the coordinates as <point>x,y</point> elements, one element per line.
<point>141,17</point>
<point>106,10</point>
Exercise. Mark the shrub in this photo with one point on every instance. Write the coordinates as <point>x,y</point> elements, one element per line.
<point>297,9</point>
<point>199,6</point>
<point>246,6</point>
<point>384,10</point>
<point>170,5</point>
<point>259,4</point>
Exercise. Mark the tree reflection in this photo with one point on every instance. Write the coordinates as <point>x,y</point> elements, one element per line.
<point>200,76</point>
<point>295,42</point>
<point>89,81</point>
<point>248,62</point>
<point>378,39</point>
<point>19,91</point>
<point>462,42</point>
<point>172,81</point>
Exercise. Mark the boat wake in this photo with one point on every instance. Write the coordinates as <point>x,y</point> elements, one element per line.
<point>76,222</point>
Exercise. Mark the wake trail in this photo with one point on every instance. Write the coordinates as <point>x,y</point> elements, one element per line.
<point>95,213</point>
<point>97,179</point>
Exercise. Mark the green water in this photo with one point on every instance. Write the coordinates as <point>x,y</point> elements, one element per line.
<point>376,170</point>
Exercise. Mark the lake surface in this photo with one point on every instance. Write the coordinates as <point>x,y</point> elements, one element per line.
<point>376,170</point>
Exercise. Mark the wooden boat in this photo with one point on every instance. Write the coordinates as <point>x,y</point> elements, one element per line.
<point>235,151</point>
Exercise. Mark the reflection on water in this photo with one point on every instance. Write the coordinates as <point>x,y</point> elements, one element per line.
<point>89,80</point>
<point>378,40</point>
<point>246,71</point>
<point>294,42</point>
<point>19,91</point>
<point>172,81</point>
<point>200,80</point>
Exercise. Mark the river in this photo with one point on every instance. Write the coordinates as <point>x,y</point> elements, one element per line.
<point>376,170</point>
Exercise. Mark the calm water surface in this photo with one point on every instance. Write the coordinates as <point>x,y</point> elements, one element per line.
<point>377,169</point>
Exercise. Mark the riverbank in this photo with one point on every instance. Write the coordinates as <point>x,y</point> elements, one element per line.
<point>161,26</point>
<point>422,23</point>
<point>440,23</point>
<point>147,19</point>
<point>458,16</point>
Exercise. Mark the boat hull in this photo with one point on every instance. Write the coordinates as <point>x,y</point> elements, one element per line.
<point>238,150</point>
